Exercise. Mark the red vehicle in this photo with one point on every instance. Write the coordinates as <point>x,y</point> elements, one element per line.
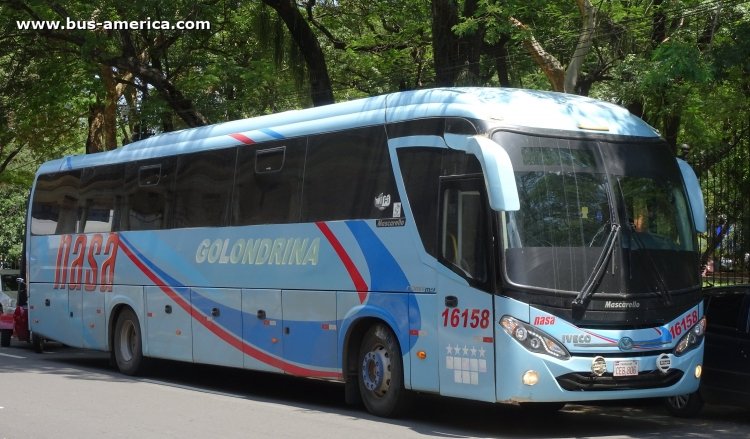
<point>13,312</point>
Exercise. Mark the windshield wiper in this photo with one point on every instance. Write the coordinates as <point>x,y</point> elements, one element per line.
<point>584,297</point>
<point>661,286</point>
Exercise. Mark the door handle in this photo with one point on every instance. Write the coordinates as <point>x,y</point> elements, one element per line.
<point>215,312</point>
<point>451,301</point>
<point>261,314</point>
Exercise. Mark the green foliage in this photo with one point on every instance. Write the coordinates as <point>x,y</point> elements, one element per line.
<point>690,78</point>
<point>12,211</point>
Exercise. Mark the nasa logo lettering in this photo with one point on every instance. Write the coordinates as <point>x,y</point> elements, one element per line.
<point>86,262</point>
<point>544,320</point>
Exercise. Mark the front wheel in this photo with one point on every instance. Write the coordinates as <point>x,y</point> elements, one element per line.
<point>381,372</point>
<point>684,406</point>
<point>127,346</point>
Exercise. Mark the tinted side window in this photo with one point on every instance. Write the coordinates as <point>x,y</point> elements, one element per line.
<point>269,183</point>
<point>421,169</point>
<point>348,175</point>
<point>149,194</point>
<point>55,204</point>
<point>100,198</point>
<point>203,188</point>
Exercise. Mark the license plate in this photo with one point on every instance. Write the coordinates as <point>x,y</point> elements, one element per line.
<point>626,368</point>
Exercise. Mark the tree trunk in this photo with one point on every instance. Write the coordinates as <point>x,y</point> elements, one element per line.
<point>658,24</point>
<point>585,40</point>
<point>94,140</point>
<point>471,46</point>
<point>109,129</point>
<point>181,105</point>
<point>321,90</point>
<point>445,44</point>
<point>499,51</point>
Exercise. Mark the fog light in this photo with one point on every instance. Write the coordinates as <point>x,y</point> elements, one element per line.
<point>530,378</point>
<point>599,366</point>
<point>698,371</point>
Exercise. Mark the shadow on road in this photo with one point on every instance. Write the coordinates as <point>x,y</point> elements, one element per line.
<point>429,415</point>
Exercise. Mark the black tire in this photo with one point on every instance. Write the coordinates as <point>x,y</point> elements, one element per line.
<point>37,343</point>
<point>380,373</point>
<point>127,344</point>
<point>684,406</point>
<point>5,335</point>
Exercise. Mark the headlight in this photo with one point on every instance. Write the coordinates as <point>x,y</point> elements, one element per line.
<point>533,339</point>
<point>692,339</point>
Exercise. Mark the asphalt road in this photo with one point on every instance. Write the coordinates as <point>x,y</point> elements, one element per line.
<point>70,393</point>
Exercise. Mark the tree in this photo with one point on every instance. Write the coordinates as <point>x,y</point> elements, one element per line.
<point>321,91</point>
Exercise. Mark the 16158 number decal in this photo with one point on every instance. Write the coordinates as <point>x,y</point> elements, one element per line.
<point>683,325</point>
<point>466,318</point>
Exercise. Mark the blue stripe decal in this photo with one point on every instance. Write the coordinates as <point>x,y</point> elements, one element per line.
<point>168,280</point>
<point>271,133</point>
<point>385,273</point>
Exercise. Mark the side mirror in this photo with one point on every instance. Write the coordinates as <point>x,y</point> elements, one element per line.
<point>695,196</point>
<point>498,173</point>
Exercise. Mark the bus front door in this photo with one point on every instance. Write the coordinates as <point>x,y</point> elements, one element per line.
<point>465,326</point>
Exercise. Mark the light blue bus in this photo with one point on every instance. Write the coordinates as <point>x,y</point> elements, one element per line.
<point>500,245</point>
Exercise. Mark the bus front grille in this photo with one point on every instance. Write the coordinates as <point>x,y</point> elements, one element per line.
<point>587,381</point>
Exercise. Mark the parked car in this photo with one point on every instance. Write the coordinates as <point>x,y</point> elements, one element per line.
<point>726,360</point>
<point>8,300</point>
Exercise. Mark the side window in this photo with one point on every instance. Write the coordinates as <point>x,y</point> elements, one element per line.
<point>464,233</point>
<point>421,169</point>
<point>55,204</point>
<point>268,185</point>
<point>149,194</point>
<point>203,188</point>
<point>348,175</point>
<point>99,198</point>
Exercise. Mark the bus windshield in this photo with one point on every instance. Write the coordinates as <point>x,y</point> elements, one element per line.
<point>572,193</point>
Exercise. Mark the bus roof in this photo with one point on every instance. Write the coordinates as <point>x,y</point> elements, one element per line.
<point>517,108</point>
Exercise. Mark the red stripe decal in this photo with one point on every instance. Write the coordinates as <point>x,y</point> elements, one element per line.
<point>222,333</point>
<point>359,282</point>
<point>243,138</point>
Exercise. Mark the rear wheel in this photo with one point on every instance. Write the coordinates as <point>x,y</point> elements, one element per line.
<point>127,346</point>
<point>381,372</point>
<point>5,337</point>
<point>37,343</point>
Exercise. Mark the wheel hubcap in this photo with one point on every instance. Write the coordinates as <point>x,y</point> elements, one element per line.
<point>376,371</point>
<point>127,341</point>
<point>680,401</point>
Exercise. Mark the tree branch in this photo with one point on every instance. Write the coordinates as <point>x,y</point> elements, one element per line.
<point>546,61</point>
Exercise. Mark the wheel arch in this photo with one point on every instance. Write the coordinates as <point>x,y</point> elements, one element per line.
<point>113,316</point>
<point>355,333</point>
